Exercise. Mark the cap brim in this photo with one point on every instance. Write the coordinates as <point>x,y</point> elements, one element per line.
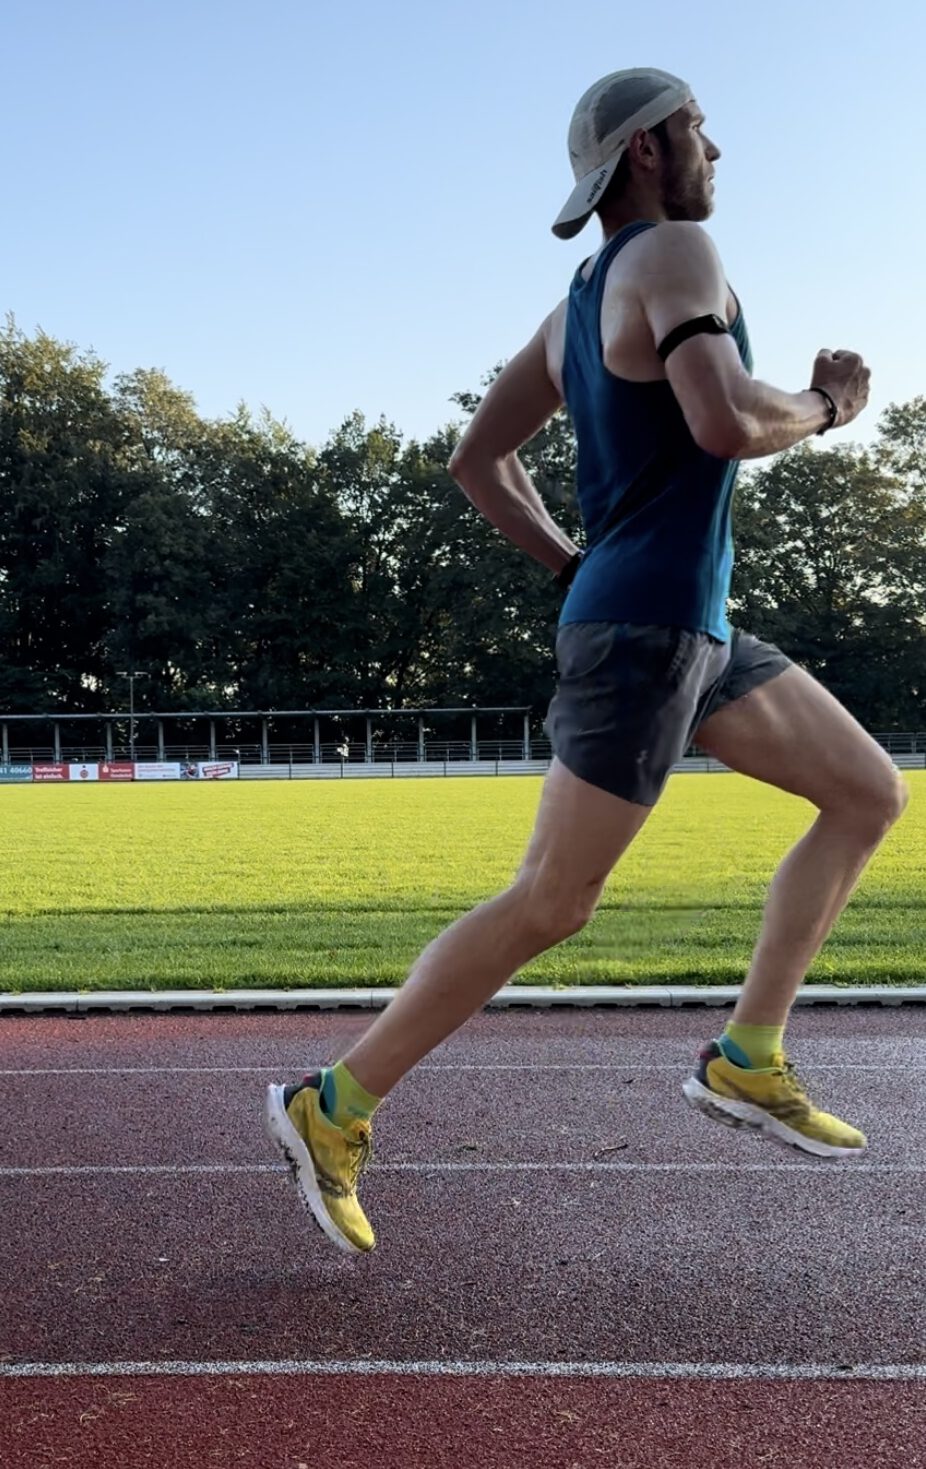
<point>580,205</point>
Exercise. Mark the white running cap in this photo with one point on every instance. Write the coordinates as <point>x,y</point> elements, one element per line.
<point>602,126</point>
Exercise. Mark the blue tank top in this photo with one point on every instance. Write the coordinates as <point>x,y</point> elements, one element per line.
<point>655,507</point>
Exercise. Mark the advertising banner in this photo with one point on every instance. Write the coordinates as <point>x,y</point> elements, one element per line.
<point>49,772</point>
<point>83,770</point>
<point>217,770</point>
<point>10,773</point>
<point>117,770</point>
<point>157,770</point>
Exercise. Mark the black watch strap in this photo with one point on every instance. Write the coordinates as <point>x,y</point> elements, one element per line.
<point>834,411</point>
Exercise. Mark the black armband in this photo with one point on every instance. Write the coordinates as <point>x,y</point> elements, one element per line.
<point>715,325</point>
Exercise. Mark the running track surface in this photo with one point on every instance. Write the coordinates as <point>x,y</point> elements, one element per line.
<point>677,1295</point>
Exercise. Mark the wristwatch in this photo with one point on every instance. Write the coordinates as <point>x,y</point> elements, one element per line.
<point>830,403</point>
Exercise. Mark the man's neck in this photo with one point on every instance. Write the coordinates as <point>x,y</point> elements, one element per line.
<point>631,210</point>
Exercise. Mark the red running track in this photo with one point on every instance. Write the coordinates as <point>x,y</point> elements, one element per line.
<point>449,1423</point>
<point>668,1250</point>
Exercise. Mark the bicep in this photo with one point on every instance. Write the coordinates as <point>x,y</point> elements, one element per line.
<point>711,385</point>
<point>686,280</point>
<point>515,408</point>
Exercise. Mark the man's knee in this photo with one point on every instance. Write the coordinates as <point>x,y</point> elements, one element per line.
<point>899,798</point>
<point>879,803</point>
<point>552,913</point>
<point>887,800</point>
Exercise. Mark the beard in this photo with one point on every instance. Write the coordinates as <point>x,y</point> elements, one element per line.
<point>684,195</point>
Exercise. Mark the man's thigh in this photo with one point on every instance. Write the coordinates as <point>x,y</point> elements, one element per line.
<point>579,834</point>
<point>791,733</point>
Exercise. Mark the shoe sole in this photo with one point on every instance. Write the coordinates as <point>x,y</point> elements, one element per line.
<point>744,1115</point>
<point>299,1162</point>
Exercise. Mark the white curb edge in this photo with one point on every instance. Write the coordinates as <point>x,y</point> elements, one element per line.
<point>527,996</point>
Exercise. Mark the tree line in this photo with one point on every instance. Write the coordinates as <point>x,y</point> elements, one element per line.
<point>242,568</point>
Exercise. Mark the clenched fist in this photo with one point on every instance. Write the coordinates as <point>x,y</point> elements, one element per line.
<point>846,378</point>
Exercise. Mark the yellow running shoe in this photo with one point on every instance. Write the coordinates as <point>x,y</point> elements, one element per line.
<point>325,1161</point>
<point>771,1101</point>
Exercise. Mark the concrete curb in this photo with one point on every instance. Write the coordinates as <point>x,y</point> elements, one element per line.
<point>512,996</point>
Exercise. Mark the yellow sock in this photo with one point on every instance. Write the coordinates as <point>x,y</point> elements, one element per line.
<point>344,1099</point>
<point>758,1043</point>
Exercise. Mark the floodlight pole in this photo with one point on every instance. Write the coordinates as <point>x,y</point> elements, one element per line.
<point>131,676</point>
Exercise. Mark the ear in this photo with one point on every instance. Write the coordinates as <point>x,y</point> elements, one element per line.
<point>644,150</point>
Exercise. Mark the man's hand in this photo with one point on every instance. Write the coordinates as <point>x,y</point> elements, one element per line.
<point>846,378</point>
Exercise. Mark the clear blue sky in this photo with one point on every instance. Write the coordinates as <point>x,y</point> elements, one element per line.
<point>321,207</point>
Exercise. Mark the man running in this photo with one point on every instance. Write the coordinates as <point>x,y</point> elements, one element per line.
<point>650,354</point>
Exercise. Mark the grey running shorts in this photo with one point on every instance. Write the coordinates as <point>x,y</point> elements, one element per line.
<point>630,698</point>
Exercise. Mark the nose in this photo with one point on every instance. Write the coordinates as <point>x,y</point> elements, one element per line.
<point>713,152</point>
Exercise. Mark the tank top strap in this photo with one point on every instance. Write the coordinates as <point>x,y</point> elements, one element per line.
<point>615,245</point>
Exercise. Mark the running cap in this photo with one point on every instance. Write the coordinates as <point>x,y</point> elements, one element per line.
<point>604,122</point>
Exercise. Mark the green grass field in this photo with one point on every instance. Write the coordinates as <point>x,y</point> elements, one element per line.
<point>343,883</point>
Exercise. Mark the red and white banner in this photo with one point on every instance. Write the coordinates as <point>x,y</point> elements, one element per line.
<point>82,772</point>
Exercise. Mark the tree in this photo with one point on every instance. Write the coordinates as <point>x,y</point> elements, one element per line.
<point>60,496</point>
<point>277,569</point>
<point>158,550</point>
<point>901,445</point>
<point>830,565</point>
<point>240,567</point>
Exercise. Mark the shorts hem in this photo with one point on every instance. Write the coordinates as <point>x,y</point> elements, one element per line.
<point>608,789</point>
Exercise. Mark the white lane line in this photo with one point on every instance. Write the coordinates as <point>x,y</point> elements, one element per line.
<point>296,1066</point>
<point>298,1367</point>
<point>823,1169</point>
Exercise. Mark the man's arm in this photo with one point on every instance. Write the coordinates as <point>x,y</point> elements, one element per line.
<point>486,466</point>
<point>728,412</point>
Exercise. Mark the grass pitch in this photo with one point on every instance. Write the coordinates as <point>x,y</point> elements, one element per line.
<point>318,883</point>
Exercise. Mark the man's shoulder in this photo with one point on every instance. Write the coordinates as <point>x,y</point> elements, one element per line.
<point>674,239</point>
<point>674,255</point>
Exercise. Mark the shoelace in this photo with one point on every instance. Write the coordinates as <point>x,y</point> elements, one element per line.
<point>796,1087</point>
<point>791,1076</point>
<point>359,1153</point>
<point>361,1149</point>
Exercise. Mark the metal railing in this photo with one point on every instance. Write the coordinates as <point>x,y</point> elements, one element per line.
<point>903,744</point>
<point>356,752</point>
<point>292,753</point>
